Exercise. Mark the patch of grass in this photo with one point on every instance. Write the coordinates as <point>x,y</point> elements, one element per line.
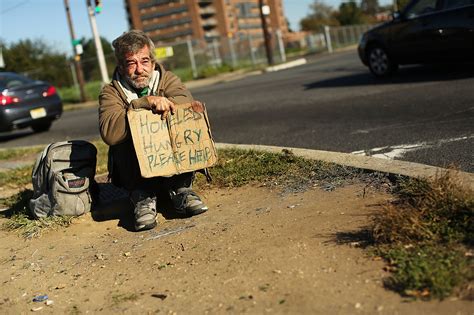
<point>20,219</point>
<point>11,154</point>
<point>18,203</point>
<point>424,236</point>
<point>427,271</point>
<point>71,94</point>
<point>17,177</point>
<point>440,211</point>
<point>237,167</point>
<point>124,297</point>
<point>211,71</point>
<point>29,228</point>
<point>185,74</point>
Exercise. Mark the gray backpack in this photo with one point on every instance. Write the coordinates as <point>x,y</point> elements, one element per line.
<point>63,179</point>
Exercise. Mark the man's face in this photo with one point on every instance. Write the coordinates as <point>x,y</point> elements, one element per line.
<point>138,68</point>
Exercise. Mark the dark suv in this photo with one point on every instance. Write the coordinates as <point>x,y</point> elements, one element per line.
<point>426,31</point>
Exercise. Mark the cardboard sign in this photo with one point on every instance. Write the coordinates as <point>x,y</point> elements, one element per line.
<point>181,143</point>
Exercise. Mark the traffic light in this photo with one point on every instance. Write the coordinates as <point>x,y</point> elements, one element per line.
<point>98,6</point>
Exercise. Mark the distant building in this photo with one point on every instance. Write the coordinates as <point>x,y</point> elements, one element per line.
<point>203,20</point>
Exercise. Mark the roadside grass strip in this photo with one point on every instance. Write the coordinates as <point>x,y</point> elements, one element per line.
<point>18,153</point>
<point>15,178</point>
<point>427,235</point>
<point>238,167</point>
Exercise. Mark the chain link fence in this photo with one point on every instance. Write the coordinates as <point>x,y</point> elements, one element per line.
<point>335,37</point>
<point>343,36</point>
<point>199,59</point>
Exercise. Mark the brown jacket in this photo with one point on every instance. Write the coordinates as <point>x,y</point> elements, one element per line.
<point>123,164</point>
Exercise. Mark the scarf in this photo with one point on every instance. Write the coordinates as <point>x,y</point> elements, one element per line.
<point>131,93</point>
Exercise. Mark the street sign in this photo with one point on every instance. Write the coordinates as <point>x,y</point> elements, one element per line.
<point>164,52</point>
<point>266,10</point>
<point>79,49</point>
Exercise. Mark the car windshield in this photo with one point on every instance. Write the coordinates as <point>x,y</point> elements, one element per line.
<point>452,4</point>
<point>10,80</point>
<point>421,7</point>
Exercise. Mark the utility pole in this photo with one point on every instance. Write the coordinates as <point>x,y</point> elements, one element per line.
<point>281,45</point>
<point>2,62</point>
<point>98,43</point>
<point>264,11</point>
<point>77,56</point>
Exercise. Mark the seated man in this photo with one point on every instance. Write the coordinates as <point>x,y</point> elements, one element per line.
<point>140,82</point>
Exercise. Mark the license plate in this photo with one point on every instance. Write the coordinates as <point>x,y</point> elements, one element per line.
<point>38,113</point>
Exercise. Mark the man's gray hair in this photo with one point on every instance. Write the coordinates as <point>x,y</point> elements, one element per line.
<point>131,42</point>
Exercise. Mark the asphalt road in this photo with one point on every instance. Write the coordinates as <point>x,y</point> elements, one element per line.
<point>424,114</point>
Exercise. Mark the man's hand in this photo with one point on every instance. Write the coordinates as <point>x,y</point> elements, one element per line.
<point>197,106</point>
<point>161,105</point>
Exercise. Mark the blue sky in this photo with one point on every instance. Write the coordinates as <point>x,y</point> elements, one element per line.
<point>46,19</point>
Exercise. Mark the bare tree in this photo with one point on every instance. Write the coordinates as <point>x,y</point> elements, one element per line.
<point>369,7</point>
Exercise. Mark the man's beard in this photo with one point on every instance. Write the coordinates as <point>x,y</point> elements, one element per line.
<point>139,81</point>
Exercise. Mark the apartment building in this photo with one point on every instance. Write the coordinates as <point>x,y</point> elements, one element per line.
<point>203,20</point>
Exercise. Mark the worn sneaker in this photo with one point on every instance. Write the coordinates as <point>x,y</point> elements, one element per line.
<point>145,210</point>
<point>187,202</point>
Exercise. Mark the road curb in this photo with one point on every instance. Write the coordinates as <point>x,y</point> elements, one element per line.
<point>395,167</point>
<point>226,77</point>
<point>240,74</point>
<point>287,65</point>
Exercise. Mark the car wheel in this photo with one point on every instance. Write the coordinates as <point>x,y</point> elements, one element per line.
<point>44,126</point>
<point>380,63</point>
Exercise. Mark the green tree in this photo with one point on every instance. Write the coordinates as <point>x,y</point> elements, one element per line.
<point>350,14</point>
<point>321,14</point>
<point>37,60</point>
<point>90,64</point>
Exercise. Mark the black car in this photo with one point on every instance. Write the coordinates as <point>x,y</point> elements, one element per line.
<point>426,31</point>
<point>27,103</point>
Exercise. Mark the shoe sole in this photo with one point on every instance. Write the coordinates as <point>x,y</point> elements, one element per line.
<point>144,227</point>
<point>190,213</point>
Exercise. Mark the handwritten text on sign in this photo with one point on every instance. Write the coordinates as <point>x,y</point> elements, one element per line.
<point>182,143</point>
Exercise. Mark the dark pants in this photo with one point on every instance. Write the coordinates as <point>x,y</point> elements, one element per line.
<point>125,172</point>
<point>165,184</point>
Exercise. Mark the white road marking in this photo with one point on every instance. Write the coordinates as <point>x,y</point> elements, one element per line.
<point>396,151</point>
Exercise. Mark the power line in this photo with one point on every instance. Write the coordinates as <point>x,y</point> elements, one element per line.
<point>15,6</point>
